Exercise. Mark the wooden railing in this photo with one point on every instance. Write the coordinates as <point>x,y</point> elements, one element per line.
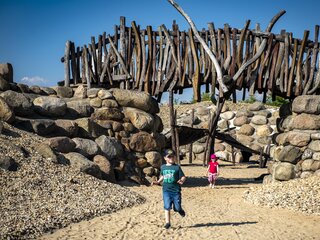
<point>164,60</point>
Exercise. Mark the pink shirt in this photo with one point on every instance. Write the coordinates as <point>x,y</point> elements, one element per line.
<point>213,167</point>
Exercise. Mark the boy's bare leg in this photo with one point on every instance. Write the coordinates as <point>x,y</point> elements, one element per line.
<point>167,215</point>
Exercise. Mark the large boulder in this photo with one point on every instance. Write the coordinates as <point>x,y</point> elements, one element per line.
<point>82,164</point>
<point>247,130</point>
<point>64,127</point>
<point>259,120</point>
<point>264,130</point>
<point>305,122</point>
<point>110,147</point>
<point>4,85</point>
<point>135,99</point>
<point>314,146</point>
<point>61,144</point>
<point>50,106</point>
<point>77,160</point>
<point>105,167</point>
<point>109,103</point>
<point>6,71</point>
<point>46,151</point>
<point>256,106</point>
<point>306,104</point>
<point>154,158</point>
<point>43,127</point>
<point>93,92</point>
<point>107,114</point>
<point>79,108</point>
<point>6,114</point>
<point>86,147</point>
<point>298,138</point>
<point>244,139</point>
<point>80,92</point>
<point>88,128</point>
<point>290,154</point>
<point>37,90</point>
<point>48,90</point>
<point>227,115</point>
<point>104,94</point>
<point>143,142</point>
<point>140,119</point>
<point>241,120</point>
<point>63,92</point>
<point>18,102</point>
<point>284,171</point>
<point>24,88</point>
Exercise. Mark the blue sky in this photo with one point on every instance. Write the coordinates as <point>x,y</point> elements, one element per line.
<point>34,32</point>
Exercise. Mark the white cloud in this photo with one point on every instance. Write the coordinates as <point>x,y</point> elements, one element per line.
<point>36,80</point>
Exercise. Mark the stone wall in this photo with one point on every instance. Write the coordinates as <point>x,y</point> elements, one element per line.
<point>297,154</point>
<point>253,127</point>
<point>111,134</point>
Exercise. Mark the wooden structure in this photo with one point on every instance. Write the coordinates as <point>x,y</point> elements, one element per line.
<point>165,60</point>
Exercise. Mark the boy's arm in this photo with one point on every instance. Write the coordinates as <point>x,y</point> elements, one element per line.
<point>181,176</point>
<point>159,181</point>
<point>182,180</point>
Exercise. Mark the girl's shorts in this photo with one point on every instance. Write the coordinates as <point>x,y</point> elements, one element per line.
<point>212,177</point>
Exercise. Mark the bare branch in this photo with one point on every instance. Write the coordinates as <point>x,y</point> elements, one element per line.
<point>261,48</point>
<point>206,48</point>
<point>119,57</point>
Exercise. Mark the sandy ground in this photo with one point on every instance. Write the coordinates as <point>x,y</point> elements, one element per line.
<point>219,213</point>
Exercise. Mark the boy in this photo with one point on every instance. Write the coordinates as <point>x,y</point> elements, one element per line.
<point>173,177</point>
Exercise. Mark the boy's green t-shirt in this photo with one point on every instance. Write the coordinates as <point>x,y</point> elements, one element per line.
<point>171,176</point>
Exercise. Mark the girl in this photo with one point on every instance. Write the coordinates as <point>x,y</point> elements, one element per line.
<point>213,170</point>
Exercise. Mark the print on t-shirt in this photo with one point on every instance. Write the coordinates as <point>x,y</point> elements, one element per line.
<point>168,176</point>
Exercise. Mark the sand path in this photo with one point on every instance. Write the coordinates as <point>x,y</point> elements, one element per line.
<point>218,213</point>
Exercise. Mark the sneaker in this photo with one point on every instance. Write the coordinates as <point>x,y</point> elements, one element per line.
<point>210,185</point>
<point>167,226</point>
<point>182,213</point>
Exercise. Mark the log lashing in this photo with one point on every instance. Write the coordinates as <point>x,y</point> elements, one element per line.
<point>164,60</point>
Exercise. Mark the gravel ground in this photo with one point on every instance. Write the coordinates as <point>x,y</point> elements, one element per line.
<point>301,195</point>
<point>42,196</point>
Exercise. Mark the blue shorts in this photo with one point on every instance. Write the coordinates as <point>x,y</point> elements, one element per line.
<point>172,198</point>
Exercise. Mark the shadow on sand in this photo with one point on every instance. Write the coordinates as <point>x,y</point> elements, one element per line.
<point>220,224</point>
<point>222,182</point>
